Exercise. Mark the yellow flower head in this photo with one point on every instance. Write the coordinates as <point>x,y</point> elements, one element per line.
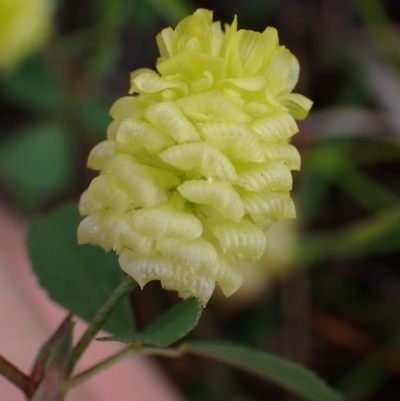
<point>196,165</point>
<point>24,27</point>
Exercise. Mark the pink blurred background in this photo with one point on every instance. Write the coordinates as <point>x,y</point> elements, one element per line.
<point>28,317</point>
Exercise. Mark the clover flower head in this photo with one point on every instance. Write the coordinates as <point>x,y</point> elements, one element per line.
<point>24,27</point>
<point>196,165</point>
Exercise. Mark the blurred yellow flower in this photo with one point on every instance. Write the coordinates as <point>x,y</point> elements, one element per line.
<point>24,27</point>
<point>196,165</point>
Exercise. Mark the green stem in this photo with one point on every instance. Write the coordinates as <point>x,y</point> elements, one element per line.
<point>14,375</point>
<point>100,318</point>
<point>119,356</point>
<point>104,364</point>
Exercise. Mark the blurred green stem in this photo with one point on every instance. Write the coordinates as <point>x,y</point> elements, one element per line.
<point>380,28</point>
<point>172,10</point>
<point>100,318</point>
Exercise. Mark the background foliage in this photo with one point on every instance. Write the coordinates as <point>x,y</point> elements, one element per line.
<point>330,298</point>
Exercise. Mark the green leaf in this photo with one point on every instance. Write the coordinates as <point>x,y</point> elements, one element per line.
<point>78,277</point>
<point>35,85</point>
<point>94,113</point>
<point>50,368</point>
<point>287,374</point>
<point>169,328</point>
<point>37,162</point>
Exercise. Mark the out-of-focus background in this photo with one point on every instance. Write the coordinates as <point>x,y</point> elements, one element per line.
<point>327,293</point>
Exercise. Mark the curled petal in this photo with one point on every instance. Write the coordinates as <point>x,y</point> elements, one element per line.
<point>112,130</point>
<point>276,126</point>
<point>229,275</point>
<point>298,105</point>
<point>212,105</point>
<point>198,254</point>
<point>125,107</point>
<point>151,82</point>
<point>103,194</point>
<point>218,194</point>
<point>251,84</point>
<point>144,184</point>
<point>293,75</point>
<point>253,48</point>
<point>113,231</point>
<point>270,175</point>
<point>278,71</point>
<point>273,205</point>
<point>90,231</point>
<point>167,222</point>
<point>173,276</point>
<point>202,157</point>
<point>233,139</point>
<point>245,240</point>
<point>121,229</point>
<point>192,65</point>
<point>101,154</point>
<point>165,42</point>
<point>283,152</point>
<point>134,131</point>
<point>168,117</point>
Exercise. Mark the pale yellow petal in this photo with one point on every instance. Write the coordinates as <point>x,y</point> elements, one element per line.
<point>293,75</point>
<point>251,84</point>
<point>125,107</point>
<point>272,204</point>
<point>90,231</point>
<point>112,130</point>
<point>167,222</point>
<point>168,117</point>
<point>199,255</point>
<point>172,275</point>
<point>229,275</point>
<point>101,154</point>
<point>102,192</point>
<point>151,82</point>
<point>298,105</point>
<point>278,71</point>
<point>191,65</point>
<point>283,152</point>
<point>275,126</point>
<point>245,240</point>
<point>165,42</point>
<point>218,194</point>
<point>134,131</point>
<point>212,105</point>
<point>270,175</point>
<point>233,139</point>
<point>201,157</point>
<point>120,228</point>
<point>144,184</point>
